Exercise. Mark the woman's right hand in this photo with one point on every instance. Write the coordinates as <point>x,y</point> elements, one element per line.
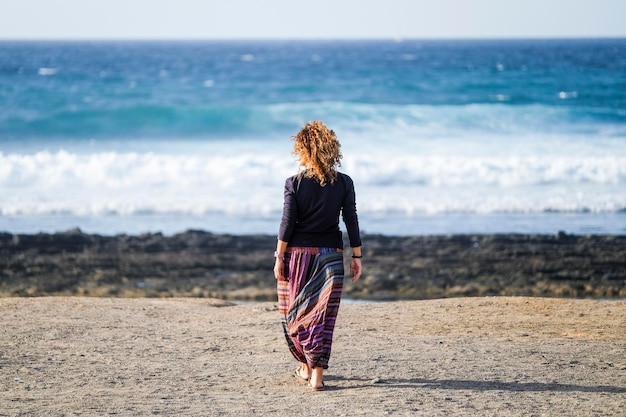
<point>355,269</point>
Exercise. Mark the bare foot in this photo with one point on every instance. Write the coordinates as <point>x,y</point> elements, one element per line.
<point>317,379</point>
<point>303,373</point>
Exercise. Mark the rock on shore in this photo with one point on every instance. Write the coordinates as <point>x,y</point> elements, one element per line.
<point>202,264</point>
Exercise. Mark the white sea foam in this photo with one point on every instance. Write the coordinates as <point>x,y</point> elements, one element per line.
<point>250,184</point>
<point>47,71</point>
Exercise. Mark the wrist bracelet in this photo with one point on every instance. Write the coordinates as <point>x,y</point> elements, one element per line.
<point>357,257</point>
<point>279,255</point>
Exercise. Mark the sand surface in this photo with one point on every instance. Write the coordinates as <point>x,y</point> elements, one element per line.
<point>79,356</point>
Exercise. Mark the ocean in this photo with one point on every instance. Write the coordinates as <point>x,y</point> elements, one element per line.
<point>440,137</point>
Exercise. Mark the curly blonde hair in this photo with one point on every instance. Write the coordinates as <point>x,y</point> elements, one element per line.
<point>319,151</point>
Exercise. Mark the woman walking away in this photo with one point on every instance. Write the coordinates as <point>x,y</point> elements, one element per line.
<point>309,253</point>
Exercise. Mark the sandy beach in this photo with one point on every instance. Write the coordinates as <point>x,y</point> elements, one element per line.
<point>487,356</point>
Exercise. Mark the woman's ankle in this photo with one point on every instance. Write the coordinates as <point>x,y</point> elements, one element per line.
<point>317,377</point>
<point>305,370</point>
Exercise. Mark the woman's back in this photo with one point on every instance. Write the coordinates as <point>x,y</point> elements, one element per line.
<point>318,209</point>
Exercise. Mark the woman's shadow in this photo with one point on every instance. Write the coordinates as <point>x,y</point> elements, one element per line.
<point>466,385</point>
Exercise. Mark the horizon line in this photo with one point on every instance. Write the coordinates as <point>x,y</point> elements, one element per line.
<point>398,39</point>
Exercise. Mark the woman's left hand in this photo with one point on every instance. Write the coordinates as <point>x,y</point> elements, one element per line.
<point>279,269</point>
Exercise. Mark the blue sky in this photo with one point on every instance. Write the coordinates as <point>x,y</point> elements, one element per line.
<point>321,19</point>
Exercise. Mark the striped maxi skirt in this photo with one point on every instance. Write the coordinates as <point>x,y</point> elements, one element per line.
<point>308,302</point>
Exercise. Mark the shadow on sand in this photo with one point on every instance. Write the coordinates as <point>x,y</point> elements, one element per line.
<point>469,385</point>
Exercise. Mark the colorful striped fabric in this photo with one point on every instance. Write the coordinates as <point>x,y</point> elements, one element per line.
<point>308,301</point>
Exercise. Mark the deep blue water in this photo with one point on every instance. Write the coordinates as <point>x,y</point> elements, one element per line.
<point>440,136</point>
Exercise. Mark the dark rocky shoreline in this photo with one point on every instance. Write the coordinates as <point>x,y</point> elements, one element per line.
<point>202,264</point>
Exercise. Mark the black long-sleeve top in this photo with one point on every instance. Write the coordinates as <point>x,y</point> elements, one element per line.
<point>311,212</point>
